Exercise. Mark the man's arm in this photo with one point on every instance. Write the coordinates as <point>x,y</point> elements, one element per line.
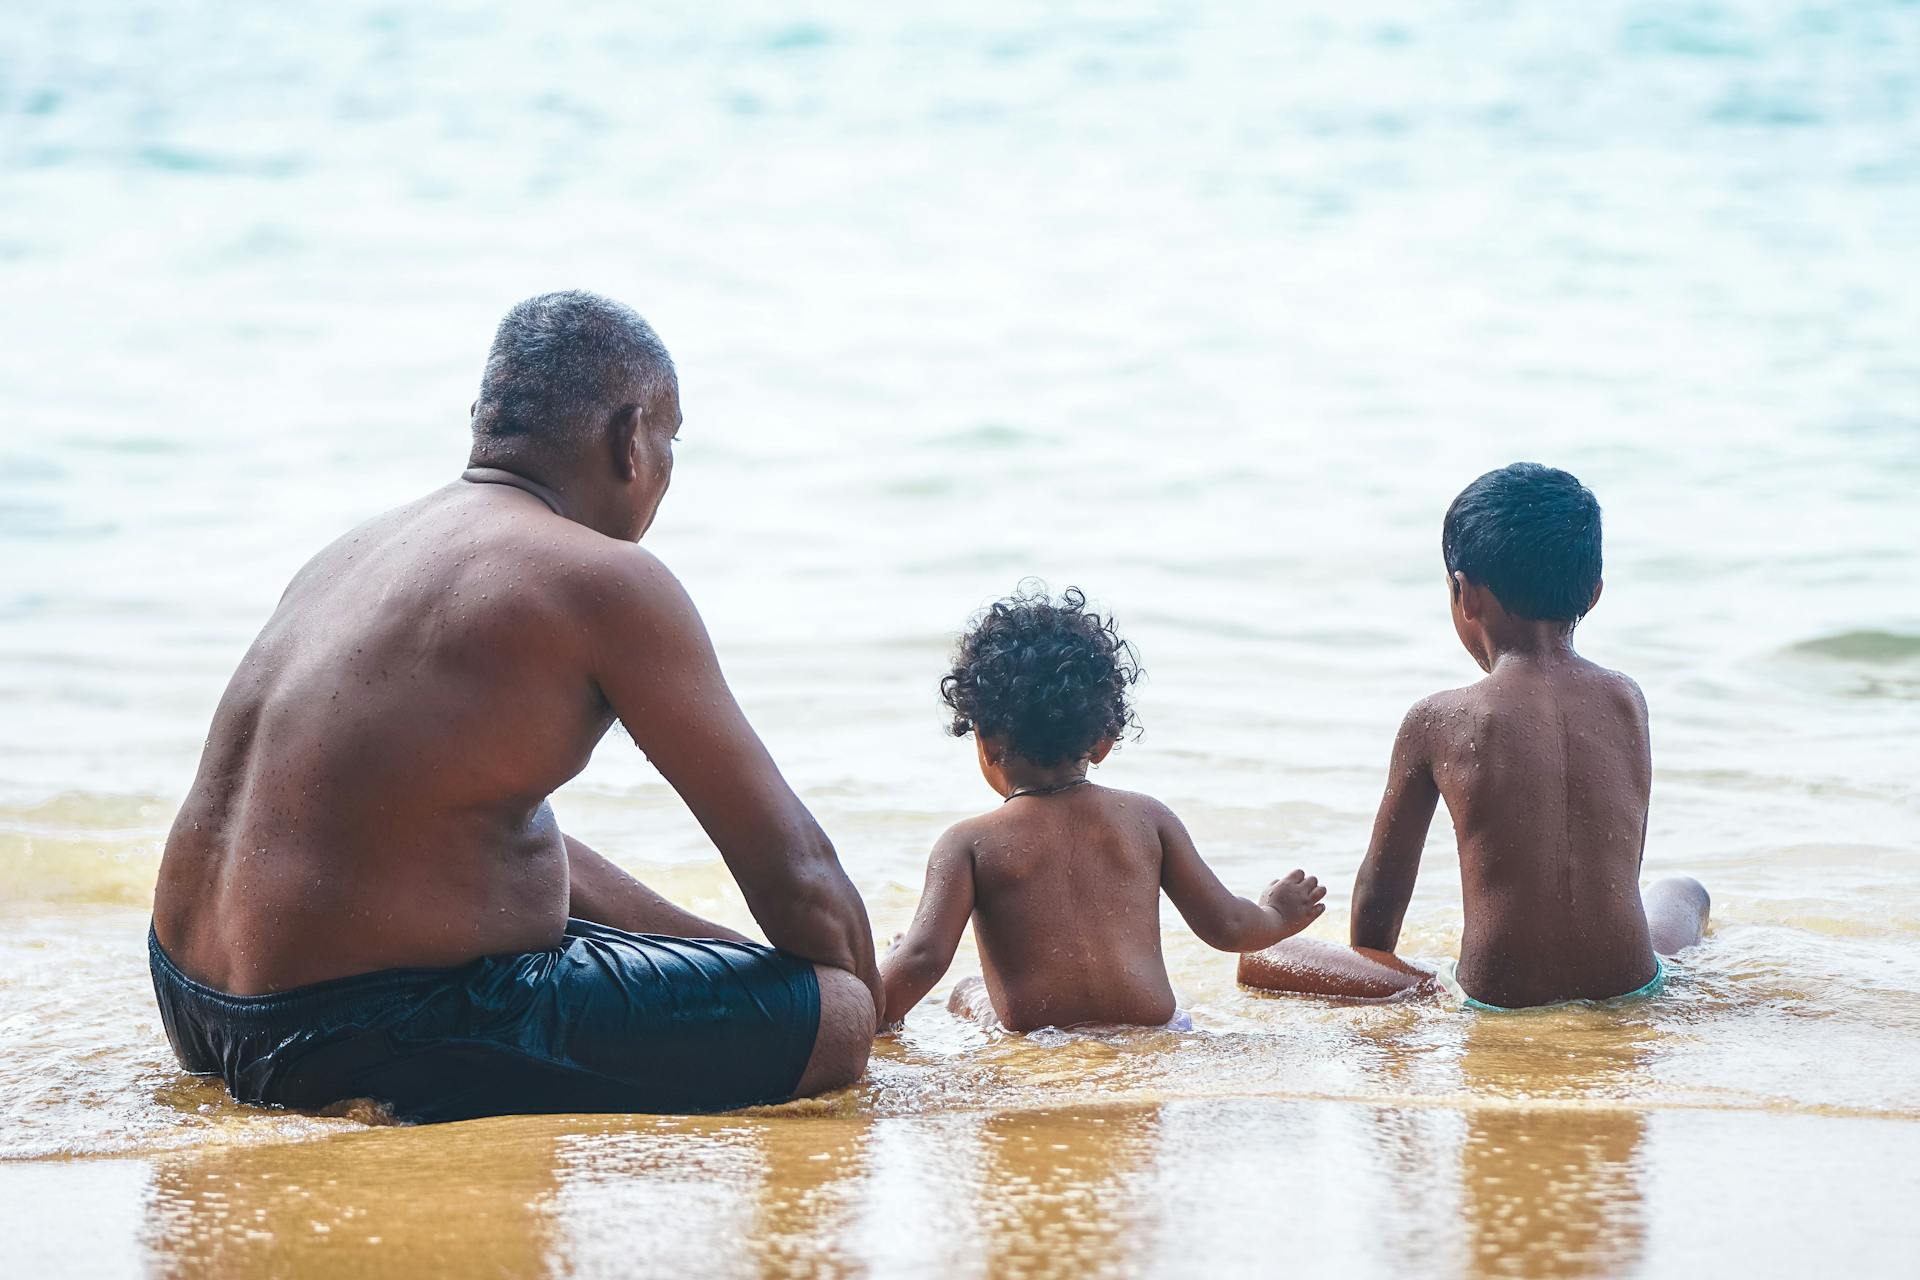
<point>656,666</point>
<point>1222,919</point>
<point>1385,884</point>
<point>921,957</point>
<point>603,893</point>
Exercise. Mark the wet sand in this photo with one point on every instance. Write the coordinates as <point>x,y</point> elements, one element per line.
<point>1282,1134</point>
<point>1219,1186</point>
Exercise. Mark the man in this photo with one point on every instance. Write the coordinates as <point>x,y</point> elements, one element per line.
<point>366,893</point>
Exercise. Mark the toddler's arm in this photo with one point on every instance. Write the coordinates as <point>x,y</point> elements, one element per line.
<point>920,959</point>
<point>1222,919</point>
<point>1385,884</point>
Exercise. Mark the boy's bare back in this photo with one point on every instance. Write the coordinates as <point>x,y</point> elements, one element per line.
<point>1546,769</point>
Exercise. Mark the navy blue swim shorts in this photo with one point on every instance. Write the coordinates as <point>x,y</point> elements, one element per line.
<point>607,1021</point>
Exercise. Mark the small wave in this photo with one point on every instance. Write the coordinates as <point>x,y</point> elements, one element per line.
<point>82,847</point>
<point>180,159</point>
<point>798,35</point>
<point>1874,647</point>
<point>992,435</point>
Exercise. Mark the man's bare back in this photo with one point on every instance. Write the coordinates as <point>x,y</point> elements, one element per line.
<point>371,811</point>
<point>378,771</point>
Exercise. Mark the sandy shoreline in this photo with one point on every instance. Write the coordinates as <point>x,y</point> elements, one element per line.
<point>1370,1141</point>
<point>1183,1187</point>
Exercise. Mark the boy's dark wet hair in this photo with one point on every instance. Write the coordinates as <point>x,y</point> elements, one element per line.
<point>1049,679</point>
<point>1531,535</point>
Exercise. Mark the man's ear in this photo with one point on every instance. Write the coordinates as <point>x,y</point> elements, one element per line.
<point>1101,750</point>
<point>623,431</point>
<point>1598,587</point>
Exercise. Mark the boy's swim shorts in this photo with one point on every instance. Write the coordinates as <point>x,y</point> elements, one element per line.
<point>1451,982</point>
<point>606,1021</point>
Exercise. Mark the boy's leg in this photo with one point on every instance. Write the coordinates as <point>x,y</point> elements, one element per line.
<point>1306,967</point>
<point>1676,913</point>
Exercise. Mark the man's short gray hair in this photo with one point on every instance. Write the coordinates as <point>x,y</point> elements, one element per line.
<point>562,363</point>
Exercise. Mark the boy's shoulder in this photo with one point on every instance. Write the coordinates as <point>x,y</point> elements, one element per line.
<point>1433,717</point>
<point>1441,717</point>
<point>1619,681</point>
<point>1619,692</point>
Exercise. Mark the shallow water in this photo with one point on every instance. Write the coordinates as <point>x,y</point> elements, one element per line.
<point>1210,314</point>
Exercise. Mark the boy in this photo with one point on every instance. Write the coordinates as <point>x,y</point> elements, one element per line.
<point>1063,880</point>
<point>1545,768</point>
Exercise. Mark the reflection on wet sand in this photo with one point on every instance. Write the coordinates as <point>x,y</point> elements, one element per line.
<point>467,1199</point>
<point>1536,1167</point>
<point>812,1180</point>
<point>767,1196</point>
<point>1554,1190</point>
<point>1416,1224</point>
<point>747,1195</point>
<point>1061,1193</point>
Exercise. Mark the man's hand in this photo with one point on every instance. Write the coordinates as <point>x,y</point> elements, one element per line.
<point>1296,899</point>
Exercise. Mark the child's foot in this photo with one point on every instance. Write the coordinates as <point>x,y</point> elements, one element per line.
<point>969,1000</point>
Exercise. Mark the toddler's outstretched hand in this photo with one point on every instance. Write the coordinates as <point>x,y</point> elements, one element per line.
<point>1297,899</point>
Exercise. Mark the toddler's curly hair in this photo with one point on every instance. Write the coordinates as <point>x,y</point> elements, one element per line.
<point>1047,678</point>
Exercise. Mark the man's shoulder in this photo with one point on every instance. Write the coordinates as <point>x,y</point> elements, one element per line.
<point>608,568</point>
<point>589,576</point>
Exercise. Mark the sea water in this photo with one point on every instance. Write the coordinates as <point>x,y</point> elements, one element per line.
<point>1207,310</point>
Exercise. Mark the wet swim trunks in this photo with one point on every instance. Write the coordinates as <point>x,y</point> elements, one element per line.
<point>1450,980</point>
<point>607,1021</point>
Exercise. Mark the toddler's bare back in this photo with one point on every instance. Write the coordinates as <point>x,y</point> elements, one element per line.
<point>1067,909</point>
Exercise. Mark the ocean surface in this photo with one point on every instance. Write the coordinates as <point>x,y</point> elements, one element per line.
<point>1207,310</point>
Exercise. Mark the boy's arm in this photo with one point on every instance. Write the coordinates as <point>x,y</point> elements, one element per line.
<point>921,957</point>
<point>1385,884</point>
<point>1222,919</point>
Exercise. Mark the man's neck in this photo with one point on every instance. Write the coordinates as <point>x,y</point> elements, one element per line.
<point>514,480</point>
